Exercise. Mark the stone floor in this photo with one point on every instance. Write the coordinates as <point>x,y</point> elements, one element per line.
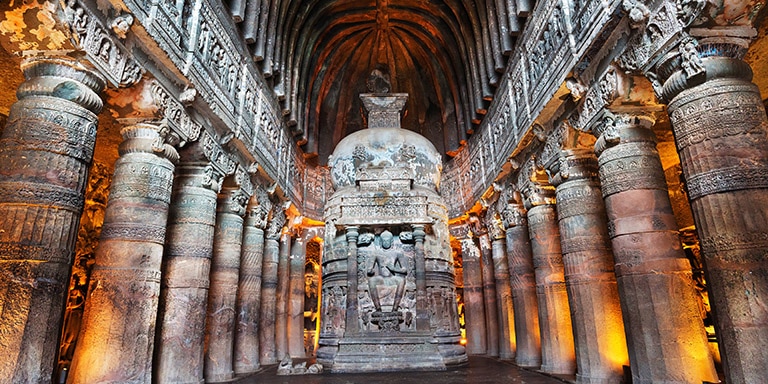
<point>481,370</point>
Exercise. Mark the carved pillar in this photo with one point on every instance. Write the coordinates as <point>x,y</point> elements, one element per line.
<point>46,149</point>
<point>186,270</point>
<point>249,289</point>
<point>721,134</point>
<point>296,301</point>
<point>269,288</point>
<point>504,307</point>
<point>649,258</point>
<point>118,327</point>
<point>489,295</point>
<point>523,285</point>
<point>474,303</point>
<point>225,269</point>
<point>283,291</point>
<point>352,324</point>
<point>422,312</point>
<point>598,327</point>
<point>557,349</point>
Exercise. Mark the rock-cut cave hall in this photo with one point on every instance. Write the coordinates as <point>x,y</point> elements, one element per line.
<point>204,191</point>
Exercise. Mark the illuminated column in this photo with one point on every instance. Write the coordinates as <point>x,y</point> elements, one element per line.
<point>721,134</point>
<point>296,300</point>
<point>505,311</point>
<point>46,149</point>
<point>249,289</point>
<point>222,295</point>
<point>118,327</point>
<point>598,327</point>
<point>523,285</point>
<point>186,270</point>
<point>489,295</point>
<point>474,304</point>
<point>655,279</point>
<point>269,288</point>
<point>557,349</point>
<point>282,299</point>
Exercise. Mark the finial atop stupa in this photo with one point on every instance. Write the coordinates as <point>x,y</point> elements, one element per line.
<point>379,81</point>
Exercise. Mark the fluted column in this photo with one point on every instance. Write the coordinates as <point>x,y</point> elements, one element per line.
<point>557,349</point>
<point>489,295</point>
<point>504,308</point>
<point>186,270</point>
<point>721,133</point>
<point>118,327</point>
<point>46,149</point>
<point>225,271</point>
<point>296,300</point>
<point>653,273</point>
<point>523,285</point>
<point>249,290</point>
<point>474,302</point>
<point>269,288</point>
<point>283,293</point>
<point>598,327</point>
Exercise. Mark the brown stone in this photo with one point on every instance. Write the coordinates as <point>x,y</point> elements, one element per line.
<point>118,326</point>
<point>489,295</point>
<point>474,301</point>
<point>283,295</point>
<point>45,150</point>
<point>295,326</point>
<point>269,289</point>
<point>506,314</point>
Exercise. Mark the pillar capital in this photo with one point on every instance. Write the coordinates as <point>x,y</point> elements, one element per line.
<point>150,138</point>
<point>232,200</point>
<point>64,78</point>
<point>514,215</point>
<point>276,223</point>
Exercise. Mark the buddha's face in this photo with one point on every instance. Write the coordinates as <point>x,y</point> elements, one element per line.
<point>386,239</point>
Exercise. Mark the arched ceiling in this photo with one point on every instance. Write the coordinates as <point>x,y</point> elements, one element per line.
<point>446,54</point>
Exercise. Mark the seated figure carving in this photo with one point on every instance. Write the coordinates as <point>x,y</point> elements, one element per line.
<point>386,270</point>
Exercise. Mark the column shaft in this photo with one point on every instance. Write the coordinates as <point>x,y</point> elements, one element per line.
<point>557,350</point>
<point>283,293</point>
<point>505,309</point>
<point>474,302</point>
<point>225,270</point>
<point>249,293</point>
<point>296,303</point>
<point>46,149</point>
<point>489,295</point>
<point>652,270</point>
<point>523,285</point>
<point>721,134</point>
<point>186,270</point>
<point>598,327</point>
<point>352,325</point>
<point>268,299</point>
<point>118,327</point>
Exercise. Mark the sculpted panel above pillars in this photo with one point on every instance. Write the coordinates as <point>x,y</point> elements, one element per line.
<point>46,149</point>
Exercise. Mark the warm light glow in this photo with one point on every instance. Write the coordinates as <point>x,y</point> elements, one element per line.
<point>463,341</point>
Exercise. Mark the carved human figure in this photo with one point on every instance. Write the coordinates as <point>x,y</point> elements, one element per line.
<point>386,270</point>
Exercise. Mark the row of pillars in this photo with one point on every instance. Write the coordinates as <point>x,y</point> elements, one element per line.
<point>597,273</point>
<point>186,285</point>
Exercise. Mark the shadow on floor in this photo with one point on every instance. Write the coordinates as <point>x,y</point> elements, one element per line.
<point>480,370</point>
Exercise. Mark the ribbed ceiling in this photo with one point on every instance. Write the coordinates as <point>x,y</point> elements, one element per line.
<point>447,55</point>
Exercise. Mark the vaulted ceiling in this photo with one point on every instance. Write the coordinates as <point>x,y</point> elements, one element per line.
<point>447,55</point>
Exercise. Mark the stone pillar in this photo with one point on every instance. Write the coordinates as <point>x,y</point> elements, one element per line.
<point>523,285</point>
<point>598,327</point>
<point>186,270</point>
<point>46,149</point>
<point>721,134</point>
<point>225,271</point>
<point>422,312</point>
<point>352,324</point>
<point>489,295</point>
<point>296,301</point>
<point>283,291</point>
<point>474,303</point>
<point>269,288</point>
<point>557,349</point>
<point>653,273</point>
<point>249,290</point>
<point>118,327</point>
<point>504,307</point>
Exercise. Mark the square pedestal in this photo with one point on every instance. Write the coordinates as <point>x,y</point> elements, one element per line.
<point>387,354</point>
